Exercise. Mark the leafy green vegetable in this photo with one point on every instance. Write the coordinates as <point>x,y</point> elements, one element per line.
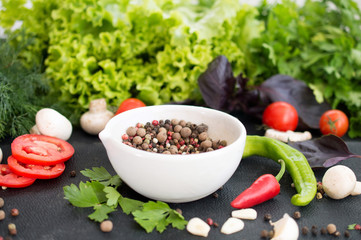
<point>150,49</point>
<point>101,175</point>
<point>104,199</point>
<point>158,215</point>
<point>318,43</point>
<point>21,91</point>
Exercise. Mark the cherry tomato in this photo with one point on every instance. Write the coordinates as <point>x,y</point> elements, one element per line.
<point>334,122</point>
<point>35,171</point>
<point>41,149</point>
<point>10,179</point>
<point>281,116</point>
<point>128,104</point>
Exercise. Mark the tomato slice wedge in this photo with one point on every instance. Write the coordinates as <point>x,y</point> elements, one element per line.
<point>41,149</point>
<point>35,171</point>
<point>11,180</point>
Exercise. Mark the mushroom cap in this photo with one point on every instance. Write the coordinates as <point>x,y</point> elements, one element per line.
<point>52,123</point>
<point>338,182</point>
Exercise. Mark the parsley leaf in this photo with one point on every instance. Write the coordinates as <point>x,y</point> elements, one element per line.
<point>88,194</point>
<point>103,176</point>
<point>130,205</point>
<point>101,212</point>
<point>158,215</point>
<point>112,195</point>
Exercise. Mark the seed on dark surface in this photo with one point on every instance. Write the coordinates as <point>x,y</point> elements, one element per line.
<point>271,233</point>
<point>1,202</point>
<point>337,234</point>
<point>267,217</point>
<point>314,230</point>
<point>179,211</point>
<point>72,173</point>
<point>323,231</point>
<point>319,196</point>
<point>2,215</point>
<point>305,230</point>
<point>297,215</point>
<point>347,234</point>
<point>215,224</point>
<point>12,229</point>
<point>331,228</point>
<point>14,212</point>
<point>106,226</point>
<point>215,195</point>
<point>264,233</point>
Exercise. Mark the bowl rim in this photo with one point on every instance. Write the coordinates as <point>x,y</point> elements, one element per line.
<point>178,157</point>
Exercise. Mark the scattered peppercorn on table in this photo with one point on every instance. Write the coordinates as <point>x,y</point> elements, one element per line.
<point>43,213</point>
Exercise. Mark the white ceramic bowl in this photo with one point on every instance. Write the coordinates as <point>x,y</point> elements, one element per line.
<point>175,178</point>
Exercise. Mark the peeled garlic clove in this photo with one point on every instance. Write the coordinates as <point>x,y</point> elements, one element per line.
<point>198,227</point>
<point>232,225</point>
<point>357,190</point>
<point>247,213</point>
<point>285,229</point>
<point>1,155</point>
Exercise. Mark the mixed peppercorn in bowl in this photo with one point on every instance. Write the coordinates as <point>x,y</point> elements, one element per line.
<point>174,153</point>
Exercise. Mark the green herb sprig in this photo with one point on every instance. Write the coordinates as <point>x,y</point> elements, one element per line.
<point>102,195</point>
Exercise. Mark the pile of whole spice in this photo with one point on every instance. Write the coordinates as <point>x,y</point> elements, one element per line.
<point>171,137</point>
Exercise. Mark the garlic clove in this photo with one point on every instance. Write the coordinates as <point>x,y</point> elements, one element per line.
<point>198,227</point>
<point>1,155</point>
<point>247,213</point>
<point>285,229</point>
<point>232,225</point>
<point>357,190</point>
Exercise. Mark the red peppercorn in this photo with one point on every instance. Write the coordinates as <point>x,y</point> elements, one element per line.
<point>181,142</point>
<point>125,137</point>
<point>209,221</point>
<point>155,123</point>
<point>357,227</point>
<point>220,146</point>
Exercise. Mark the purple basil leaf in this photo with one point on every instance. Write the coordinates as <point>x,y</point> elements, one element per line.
<point>217,84</point>
<point>325,151</point>
<point>298,94</point>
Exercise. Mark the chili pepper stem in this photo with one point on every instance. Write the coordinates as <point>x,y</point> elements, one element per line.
<point>282,171</point>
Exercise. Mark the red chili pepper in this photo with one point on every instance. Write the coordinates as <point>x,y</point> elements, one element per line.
<point>264,188</point>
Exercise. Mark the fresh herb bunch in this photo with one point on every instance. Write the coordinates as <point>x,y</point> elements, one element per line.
<point>102,195</point>
<point>318,43</point>
<point>21,91</point>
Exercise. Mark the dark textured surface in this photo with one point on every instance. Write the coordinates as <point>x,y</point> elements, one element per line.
<point>45,214</point>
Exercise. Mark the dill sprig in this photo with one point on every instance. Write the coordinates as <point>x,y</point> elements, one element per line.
<point>22,90</point>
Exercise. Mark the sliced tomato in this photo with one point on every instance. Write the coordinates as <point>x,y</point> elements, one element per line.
<point>41,149</point>
<point>35,171</point>
<point>12,180</point>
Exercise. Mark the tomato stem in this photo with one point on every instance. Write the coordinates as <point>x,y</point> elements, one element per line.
<point>282,171</point>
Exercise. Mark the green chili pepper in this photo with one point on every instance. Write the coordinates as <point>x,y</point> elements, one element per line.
<point>296,165</point>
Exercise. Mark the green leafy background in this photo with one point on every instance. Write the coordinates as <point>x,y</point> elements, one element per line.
<point>156,49</point>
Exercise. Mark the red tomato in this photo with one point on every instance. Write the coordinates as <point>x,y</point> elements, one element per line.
<point>281,116</point>
<point>35,171</point>
<point>334,122</point>
<point>128,104</point>
<point>10,179</point>
<point>41,149</point>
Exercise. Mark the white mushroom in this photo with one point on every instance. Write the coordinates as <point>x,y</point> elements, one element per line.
<point>357,190</point>
<point>288,136</point>
<point>232,225</point>
<point>34,130</point>
<point>94,121</point>
<point>285,229</point>
<point>339,182</point>
<point>1,155</point>
<point>198,227</point>
<point>52,123</point>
